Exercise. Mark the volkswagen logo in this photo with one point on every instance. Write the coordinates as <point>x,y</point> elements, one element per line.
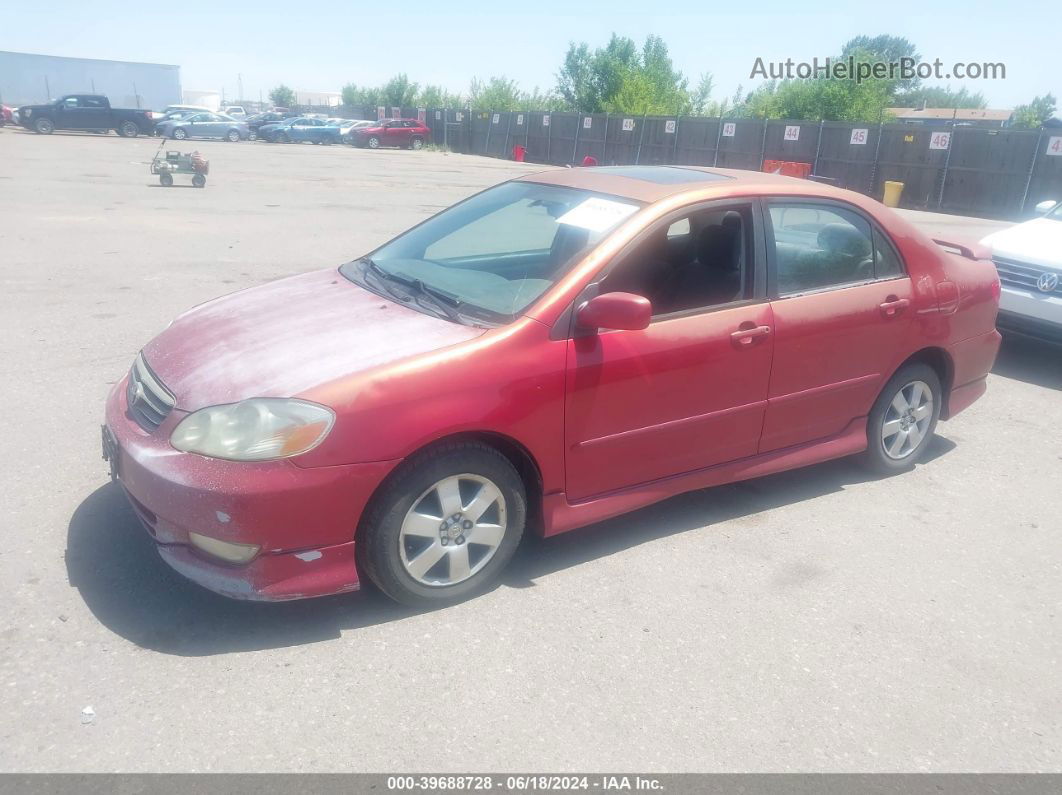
<point>1047,282</point>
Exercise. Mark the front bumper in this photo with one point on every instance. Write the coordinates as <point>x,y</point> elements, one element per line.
<point>1031,313</point>
<point>303,518</point>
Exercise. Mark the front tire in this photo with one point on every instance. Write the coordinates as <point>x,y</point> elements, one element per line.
<point>179,134</point>
<point>416,143</point>
<point>904,417</point>
<point>282,138</point>
<point>445,526</point>
<point>44,126</point>
<point>128,129</point>
<point>233,136</point>
<point>374,143</point>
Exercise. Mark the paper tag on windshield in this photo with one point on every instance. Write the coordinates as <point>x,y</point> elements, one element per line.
<point>597,215</point>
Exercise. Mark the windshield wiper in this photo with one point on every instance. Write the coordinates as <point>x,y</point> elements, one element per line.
<point>440,300</point>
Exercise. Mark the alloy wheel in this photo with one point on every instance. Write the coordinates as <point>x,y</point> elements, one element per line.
<point>452,530</point>
<point>907,420</point>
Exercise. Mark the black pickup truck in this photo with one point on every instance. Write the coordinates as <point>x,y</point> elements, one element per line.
<point>86,112</point>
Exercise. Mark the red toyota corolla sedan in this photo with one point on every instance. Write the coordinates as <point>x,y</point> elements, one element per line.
<point>551,352</point>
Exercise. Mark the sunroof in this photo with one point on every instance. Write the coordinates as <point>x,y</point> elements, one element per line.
<point>662,175</point>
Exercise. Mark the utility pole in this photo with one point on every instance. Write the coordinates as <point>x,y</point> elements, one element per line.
<point>239,82</point>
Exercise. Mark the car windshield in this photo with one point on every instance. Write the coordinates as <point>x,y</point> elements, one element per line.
<point>497,252</point>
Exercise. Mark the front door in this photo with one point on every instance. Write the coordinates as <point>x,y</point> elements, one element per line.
<point>842,312</point>
<point>689,391</point>
<point>84,113</point>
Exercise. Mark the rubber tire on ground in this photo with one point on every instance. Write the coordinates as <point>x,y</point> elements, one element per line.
<point>252,136</point>
<point>282,138</point>
<point>179,134</point>
<point>199,181</point>
<point>128,129</point>
<point>166,180</point>
<point>874,457</point>
<point>416,143</point>
<point>377,540</point>
<point>44,126</point>
<point>373,143</point>
<point>233,136</point>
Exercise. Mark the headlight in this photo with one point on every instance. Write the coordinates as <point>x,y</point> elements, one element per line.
<point>27,112</point>
<point>258,429</point>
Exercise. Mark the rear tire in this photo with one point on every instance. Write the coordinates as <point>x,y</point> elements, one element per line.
<point>416,143</point>
<point>373,143</point>
<point>44,126</point>
<point>166,180</point>
<point>411,518</point>
<point>903,419</point>
<point>199,181</point>
<point>233,136</point>
<point>128,129</point>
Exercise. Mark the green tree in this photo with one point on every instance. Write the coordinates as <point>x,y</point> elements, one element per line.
<point>497,93</point>
<point>885,49</point>
<point>282,96</point>
<point>360,95</point>
<point>1033,115</point>
<point>701,102</point>
<point>939,97</point>
<point>398,92</point>
<point>439,97</point>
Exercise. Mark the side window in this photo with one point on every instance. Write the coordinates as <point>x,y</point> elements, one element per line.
<point>700,261</point>
<point>818,247</point>
<point>93,102</point>
<point>886,262</point>
<point>71,102</point>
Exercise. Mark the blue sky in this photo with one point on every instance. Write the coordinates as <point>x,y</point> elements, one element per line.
<point>322,45</point>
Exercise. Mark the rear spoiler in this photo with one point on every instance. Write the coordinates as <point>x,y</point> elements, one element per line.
<point>972,251</point>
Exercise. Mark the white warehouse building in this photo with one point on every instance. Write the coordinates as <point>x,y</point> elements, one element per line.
<point>27,79</point>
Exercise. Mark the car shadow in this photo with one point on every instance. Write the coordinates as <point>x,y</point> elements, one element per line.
<point>1033,361</point>
<point>130,590</point>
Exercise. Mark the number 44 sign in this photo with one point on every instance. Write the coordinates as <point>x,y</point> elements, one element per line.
<point>940,140</point>
<point>1054,145</point>
<point>792,132</point>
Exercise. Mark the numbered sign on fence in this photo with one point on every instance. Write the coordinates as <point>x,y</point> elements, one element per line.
<point>459,116</point>
<point>395,112</point>
<point>496,118</point>
<point>669,126</point>
<point>519,119</point>
<point>545,120</point>
<point>729,130</point>
<point>438,115</point>
<point>1054,145</point>
<point>587,122</point>
<point>628,124</point>
<point>422,115</point>
<point>381,112</point>
<point>792,132</point>
<point>859,137</point>
<point>940,140</point>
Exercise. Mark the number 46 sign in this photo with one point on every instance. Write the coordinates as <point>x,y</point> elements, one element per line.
<point>940,140</point>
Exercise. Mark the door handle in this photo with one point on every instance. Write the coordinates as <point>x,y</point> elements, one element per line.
<point>893,306</point>
<point>745,337</point>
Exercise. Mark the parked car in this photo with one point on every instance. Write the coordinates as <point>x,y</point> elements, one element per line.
<point>551,352</point>
<point>347,126</point>
<point>205,125</point>
<point>1028,257</point>
<point>259,120</point>
<point>7,115</point>
<point>300,129</point>
<point>406,133</point>
<point>235,111</point>
<point>197,108</point>
<point>86,112</point>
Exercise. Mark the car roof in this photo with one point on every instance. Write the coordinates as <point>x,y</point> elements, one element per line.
<point>654,183</point>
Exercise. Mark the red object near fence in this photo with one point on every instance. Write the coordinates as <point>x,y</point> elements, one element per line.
<point>518,153</point>
<point>788,168</point>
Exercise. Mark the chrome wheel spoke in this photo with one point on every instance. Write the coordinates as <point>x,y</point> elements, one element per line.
<point>907,420</point>
<point>916,394</point>
<point>487,495</point>
<point>889,428</point>
<point>459,567</point>
<point>421,525</point>
<point>923,411</point>
<point>899,403</point>
<point>896,445</point>
<point>914,436</point>
<point>423,562</point>
<point>487,534</point>
<point>449,494</point>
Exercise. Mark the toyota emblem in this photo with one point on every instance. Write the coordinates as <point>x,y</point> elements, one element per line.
<point>1047,282</point>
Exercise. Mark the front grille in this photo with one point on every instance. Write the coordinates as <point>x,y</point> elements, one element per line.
<point>149,401</point>
<point>1019,274</point>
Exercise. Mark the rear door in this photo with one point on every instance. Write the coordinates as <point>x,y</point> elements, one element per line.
<point>841,302</point>
<point>83,113</point>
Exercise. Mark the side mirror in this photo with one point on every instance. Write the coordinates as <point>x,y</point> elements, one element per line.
<point>622,311</point>
<point>1044,207</point>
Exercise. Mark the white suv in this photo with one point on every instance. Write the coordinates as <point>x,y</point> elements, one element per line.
<point>1028,258</point>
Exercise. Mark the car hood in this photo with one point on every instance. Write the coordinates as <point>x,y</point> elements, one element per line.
<point>286,337</point>
<point>1038,242</point>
